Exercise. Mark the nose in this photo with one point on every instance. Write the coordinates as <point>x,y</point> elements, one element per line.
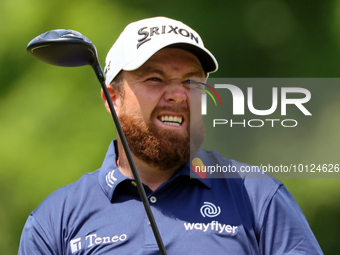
<point>175,92</point>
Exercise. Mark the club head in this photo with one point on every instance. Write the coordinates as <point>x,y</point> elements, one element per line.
<point>63,47</point>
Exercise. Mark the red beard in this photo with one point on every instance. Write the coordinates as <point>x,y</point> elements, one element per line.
<point>162,148</point>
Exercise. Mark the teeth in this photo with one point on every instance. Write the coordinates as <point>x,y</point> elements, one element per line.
<point>172,123</point>
<point>172,120</point>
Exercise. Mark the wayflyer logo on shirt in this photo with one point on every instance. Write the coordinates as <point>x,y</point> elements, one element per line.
<point>210,210</point>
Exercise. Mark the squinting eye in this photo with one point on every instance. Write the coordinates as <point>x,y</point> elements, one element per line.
<point>191,84</point>
<point>154,79</point>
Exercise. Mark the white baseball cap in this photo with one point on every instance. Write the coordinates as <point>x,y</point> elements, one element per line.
<point>143,38</point>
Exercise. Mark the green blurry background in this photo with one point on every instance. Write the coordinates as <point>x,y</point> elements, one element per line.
<point>54,126</point>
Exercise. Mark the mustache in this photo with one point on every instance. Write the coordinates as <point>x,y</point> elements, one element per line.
<point>176,109</point>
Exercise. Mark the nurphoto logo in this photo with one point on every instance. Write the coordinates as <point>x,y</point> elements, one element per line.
<point>204,96</point>
<point>242,103</point>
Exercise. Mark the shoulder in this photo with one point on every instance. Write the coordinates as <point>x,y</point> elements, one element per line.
<point>68,198</point>
<point>252,177</point>
<point>243,180</point>
<point>76,188</point>
<point>57,215</point>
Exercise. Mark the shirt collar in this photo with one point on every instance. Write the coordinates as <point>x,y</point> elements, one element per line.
<point>110,175</point>
<point>186,170</point>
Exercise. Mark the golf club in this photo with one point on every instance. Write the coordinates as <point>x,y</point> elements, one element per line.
<point>70,48</point>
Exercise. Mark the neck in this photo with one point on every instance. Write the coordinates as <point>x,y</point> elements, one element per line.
<point>152,176</point>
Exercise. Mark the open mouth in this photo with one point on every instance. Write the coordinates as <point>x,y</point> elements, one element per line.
<point>171,120</point>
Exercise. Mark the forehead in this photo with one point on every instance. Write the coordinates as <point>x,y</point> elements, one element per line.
<point>172,59</point>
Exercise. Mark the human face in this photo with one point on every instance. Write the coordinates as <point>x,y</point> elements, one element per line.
<point>155,109</point>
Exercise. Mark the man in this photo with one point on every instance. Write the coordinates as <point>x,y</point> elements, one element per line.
<point>148,72</point>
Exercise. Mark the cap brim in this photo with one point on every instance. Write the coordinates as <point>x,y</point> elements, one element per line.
<point>207,60</point>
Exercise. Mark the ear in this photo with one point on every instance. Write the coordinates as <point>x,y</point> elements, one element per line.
<point>114,95</point>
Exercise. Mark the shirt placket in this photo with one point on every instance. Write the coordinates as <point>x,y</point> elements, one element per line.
<point>150,245</point>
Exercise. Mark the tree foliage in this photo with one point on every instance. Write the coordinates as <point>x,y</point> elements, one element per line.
<point>54,126</point>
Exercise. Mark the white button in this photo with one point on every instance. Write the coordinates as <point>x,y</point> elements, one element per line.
<point>153,199</point>
<point>134,183</point>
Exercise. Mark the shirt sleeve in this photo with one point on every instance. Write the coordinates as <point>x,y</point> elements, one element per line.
<point>35,240</point>
<point>285,229</point>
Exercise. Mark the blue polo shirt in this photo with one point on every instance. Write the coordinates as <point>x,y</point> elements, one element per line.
<point>102,213</point>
